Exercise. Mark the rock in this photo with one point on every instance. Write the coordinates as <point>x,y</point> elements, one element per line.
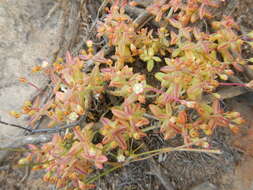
<point>27,38</point>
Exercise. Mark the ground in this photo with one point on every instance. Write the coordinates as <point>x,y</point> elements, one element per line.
<point>32,31</point>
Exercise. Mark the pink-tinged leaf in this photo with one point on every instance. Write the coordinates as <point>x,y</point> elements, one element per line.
<point>83,186</point>
<point>32,147</point>
<point>56,139</point>
<point>211,3</point>
<point>197,34</point>
<point>67,76</point>
<point>216,107</point>
<point>69,59</point>
<point>120,114</point>
<point>131,99</point>
<point>211,124</point>
<point>54,78</point>
<point>99,165</point>
<point>106,140</point>
<point>123,123</point>
<point>182,117</point>
<point>175,23</point>
<point>118,84</point>
<point>80,170</point>
<point>74,149</point>
<point>85,57</point>
<point>168,131</point>
<point>168,69</point>
<point>175,4</point>
<point>142,122</point>
<point>237,66</point>
<point>176,91</point>
<point>60,96</point>
<point>223,45</point>
<point>78,134</point>
<point>105,121</point>
<point>194,92</point>
<point>100,160</point>
<point>121,141</point>
<point>128,110</point>
<point>108,70</point>
<point>157,112</point>
<point>205,45</point>
<point>174,38</point>
<point>100,60</point>
<point>186,33</point>
<point>202,11</point>
<point>230,23</point>
<point>188,46</point>
<point>221,121</point>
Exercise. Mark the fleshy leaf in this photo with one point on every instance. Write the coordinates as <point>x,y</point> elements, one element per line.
<point>150,65</point>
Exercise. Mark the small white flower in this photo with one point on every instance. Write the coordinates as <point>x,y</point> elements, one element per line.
<point>73,116</point>
<point>121,158</point>
<point>96,96</point>
<point>44,64</point>
<point>64,88</point>
<point>190,104</point>
<point>138,88</point>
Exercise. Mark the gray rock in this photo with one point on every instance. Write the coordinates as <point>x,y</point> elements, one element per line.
<point>26,38</point>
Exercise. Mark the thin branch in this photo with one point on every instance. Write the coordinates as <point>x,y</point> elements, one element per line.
<point>14,125</point>
<point>60,127</point>
<point>56,129</point>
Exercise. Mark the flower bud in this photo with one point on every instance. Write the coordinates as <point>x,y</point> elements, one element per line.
<point>238,120</point>
<point>89,44</point>
<point>138,88</point>
<point>15,114</point>
<point>121,158</point>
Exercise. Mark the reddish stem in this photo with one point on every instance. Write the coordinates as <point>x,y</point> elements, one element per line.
<point>33,85</point>
<point>154,90</point>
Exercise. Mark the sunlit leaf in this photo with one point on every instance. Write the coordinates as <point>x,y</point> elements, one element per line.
<point>150,65</point>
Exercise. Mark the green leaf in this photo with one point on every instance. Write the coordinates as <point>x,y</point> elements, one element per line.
<point>250,59</point>
<point>151,52</point>
<point>176,52</point>
<point>150,65</point>
<point>167,61</point>
<point>250,34</point>
<point>143,57</point>
<point>251,44</point>
<point>194,92</point>
<point>157,59</point>
<point>159,76</point>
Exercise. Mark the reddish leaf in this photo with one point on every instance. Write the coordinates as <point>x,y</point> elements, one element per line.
<point>182,117</point>
<point>120,114</point>
<point>175,23</point>
<point>202,11</point>
<point>158,112</point>
<point>142,122</point>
